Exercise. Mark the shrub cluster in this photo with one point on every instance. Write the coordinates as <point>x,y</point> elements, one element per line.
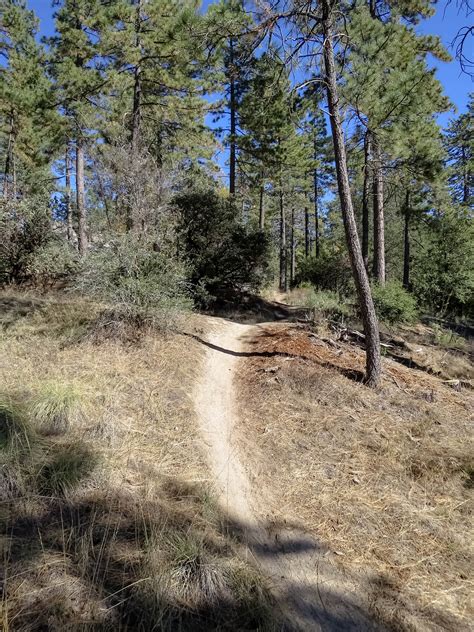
<point>222,254</point>
<point>143,285</point>
<point>393,303</point>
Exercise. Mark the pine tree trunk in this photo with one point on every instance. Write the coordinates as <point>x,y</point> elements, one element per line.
<point>283,263</point>
<point>365,201</point>
<point>316,207</point>
<point>80,197</point>
<point>466,176</point>
<point>293,249</point>
<point>232,104</point>
<point>137,83</point>
<point>406,243</point>
<point>67,168</point>
<point>307,241</point>
<point>372,338</point>
<point>131,212</point>
<point>261,210</point>
<point>9,159</point>
<point>379,225</point>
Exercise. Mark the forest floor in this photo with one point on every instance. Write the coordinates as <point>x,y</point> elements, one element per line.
<point>228,474</point>
<point>380,480</point>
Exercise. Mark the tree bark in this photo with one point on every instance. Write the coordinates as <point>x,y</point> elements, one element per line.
<point>261,210</point>
<point>316,206</point>
<point>9,158</point>
<point>307,242</point>
<point>67,168</point>
<point>283,262</point>
<point>379,224</point>
<point>131,211</point>
<point>232,104</point>
<point>137,83</point>
<point>365,201</point>
<point>406,243</point>
<point>80,198</point>
<point>293,249</point>
<point>369,318</point>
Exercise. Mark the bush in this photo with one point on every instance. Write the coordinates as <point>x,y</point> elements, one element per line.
<point>326,303</point>
<point>25,227</point>
<point>331,271</point>
<point>143,286</point>
<point>393,303</point>
<point>223,255</point>
<point>54,261</point>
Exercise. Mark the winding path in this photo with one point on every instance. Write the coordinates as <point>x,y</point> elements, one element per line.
<point>312,593</point>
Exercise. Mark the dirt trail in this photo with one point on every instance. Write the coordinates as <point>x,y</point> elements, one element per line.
<point>313,594</point>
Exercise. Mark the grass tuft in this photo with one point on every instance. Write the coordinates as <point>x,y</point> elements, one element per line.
<point>65,469</point>
<point>15,432</point>
<point>55,406</point>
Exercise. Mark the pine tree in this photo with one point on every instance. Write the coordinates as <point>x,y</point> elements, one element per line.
<point>459,143</point>
<point>28,126</point>
<point>387,80</point>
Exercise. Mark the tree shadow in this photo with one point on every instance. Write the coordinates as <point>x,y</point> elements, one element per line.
<point>14,309</point>
<point>351,374</point>
<point>245,307</point>
<point>132,566</point>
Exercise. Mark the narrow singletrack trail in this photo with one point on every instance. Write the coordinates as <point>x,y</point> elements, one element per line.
<point>313,594</point>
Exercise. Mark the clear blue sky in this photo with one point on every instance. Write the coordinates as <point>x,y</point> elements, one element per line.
<point>446,23</point>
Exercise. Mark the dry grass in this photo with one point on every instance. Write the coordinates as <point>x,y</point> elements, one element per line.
<point>382,478</point>
<point>106,513</point>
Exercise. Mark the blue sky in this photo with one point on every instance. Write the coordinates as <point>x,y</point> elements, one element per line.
<point>446,23</point>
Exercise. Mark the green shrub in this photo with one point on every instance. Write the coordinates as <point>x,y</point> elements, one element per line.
<point>142,285</point>
<point>331,271</point>
<point>25,227</point>
<point>328,304</point>
<point>223,254</point>
<point>393,303</point>
<point>54,261</point>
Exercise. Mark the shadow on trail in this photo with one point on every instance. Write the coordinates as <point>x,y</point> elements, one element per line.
<point>351,374</point>
<point>244,307</point>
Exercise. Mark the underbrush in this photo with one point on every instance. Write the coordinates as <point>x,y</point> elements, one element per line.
<point>102,523</point>
<point>324,304</point>
<point>382,478</point>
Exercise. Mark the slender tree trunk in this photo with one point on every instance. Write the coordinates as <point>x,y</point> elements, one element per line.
<point>371,330</point>
<point>293,249</point>
<point>232,104</point>
<point>261,209</point>
<point>9,158</point>
<point>283,262</point>
<point>406,243</point>
<point>316,206</point>
<point>466,177</point>
<point>13,173</point>
<point>307,241</point>
<point>80,197</point>
<point>137,83</point>
<point>131,218</point>
<point>67,200</point>
<point>365,201</point>
<point>379,224</point>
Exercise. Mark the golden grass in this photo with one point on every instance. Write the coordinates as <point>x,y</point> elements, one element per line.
<point>106,517</point>
<point>382,477</point>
